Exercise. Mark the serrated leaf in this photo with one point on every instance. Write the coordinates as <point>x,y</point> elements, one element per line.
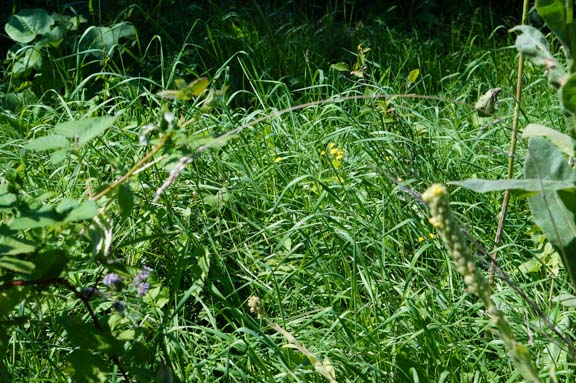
<point>44,216</point>
<point>7,200</point>
<point>527,185</point>
<point>24,26</point>
<point>13,246</point>
<point>340,67</point>
<point>84,211</point>
<point>562,141</point>
<point>17,265</point>
<point>413,75</point>
<point>58,156</point>
<point>85,130</point>
<point>50,142</point>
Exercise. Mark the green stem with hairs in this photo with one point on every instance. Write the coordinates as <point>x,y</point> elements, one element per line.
<point>436,196</point>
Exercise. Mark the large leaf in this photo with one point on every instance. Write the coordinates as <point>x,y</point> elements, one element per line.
<point>526,185</point>
<point>553,210</point>
<point>44,216</point>
<point>568,92</point>
<point>532,43</point>
<point>100,41</point>
<point>27,24</point>
<point>85,130</point>
<point>17,265</point>
<point>562,141</point>
<point>554,14</point>
<point>84,211</point>
<point>50,142</point>
<point>26,61</point>
<point>7,199</point>
<point>13,246</point>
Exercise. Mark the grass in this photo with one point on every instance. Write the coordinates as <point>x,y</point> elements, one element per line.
<point>340,253</point>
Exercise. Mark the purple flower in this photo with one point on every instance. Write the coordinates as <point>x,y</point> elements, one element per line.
<point>142,276</point>
<point>143,289</point>
<point>113,280</point>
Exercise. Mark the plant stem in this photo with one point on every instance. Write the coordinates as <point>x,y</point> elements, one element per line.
<point>510,169</point>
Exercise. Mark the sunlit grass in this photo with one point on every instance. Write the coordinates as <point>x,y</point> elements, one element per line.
<point>316,211</point>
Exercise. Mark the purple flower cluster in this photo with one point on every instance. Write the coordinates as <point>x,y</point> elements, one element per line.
<point>113,280</point>
<point>140,279</point>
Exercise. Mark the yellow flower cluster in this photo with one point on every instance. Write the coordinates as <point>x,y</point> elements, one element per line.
<point>336,154</point>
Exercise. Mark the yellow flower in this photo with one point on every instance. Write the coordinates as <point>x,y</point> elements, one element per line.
<point>277,159</point>
<point>322,152</point>
<point>331,145</point>
<point>431,235</point>
<point>421,239</point>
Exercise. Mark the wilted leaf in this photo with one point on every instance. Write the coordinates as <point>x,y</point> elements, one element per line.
<point>341,67</point>
<point>413,75</point>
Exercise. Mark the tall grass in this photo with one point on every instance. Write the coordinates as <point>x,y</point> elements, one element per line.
<point>339,250</point>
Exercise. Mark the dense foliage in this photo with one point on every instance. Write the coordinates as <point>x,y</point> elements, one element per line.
<point>230,191</point>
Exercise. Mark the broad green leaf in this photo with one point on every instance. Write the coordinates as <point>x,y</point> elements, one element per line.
<point>341,67</point>
<point>17,265</point>
<point>85,130</point>
<point>84,366</point>
<point>86,337</point>
<point>13,246</point>
<point>84,211</point>
<point>49,264</point>
<point>526,185</point>
<point>7,199</point>
<point>26,62</point>
<point>553,210</point>
<point>101,41</point>
<point>532,43</point>
<point>51,142</point>
<point>562,141</point>
<point>44,216</point>
<point>568,92</point>
<point>553,13</point>
<point>413,75</point>
<point>27,24</point>
<point>58,156</point>
<point>125,200</point>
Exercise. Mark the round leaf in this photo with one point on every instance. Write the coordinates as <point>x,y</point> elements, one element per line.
<point>27,24</point>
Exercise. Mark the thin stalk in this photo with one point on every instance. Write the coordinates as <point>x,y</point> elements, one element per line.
<point>511,153</point>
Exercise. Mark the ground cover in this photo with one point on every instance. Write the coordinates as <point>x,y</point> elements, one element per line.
<point>316,211</point>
